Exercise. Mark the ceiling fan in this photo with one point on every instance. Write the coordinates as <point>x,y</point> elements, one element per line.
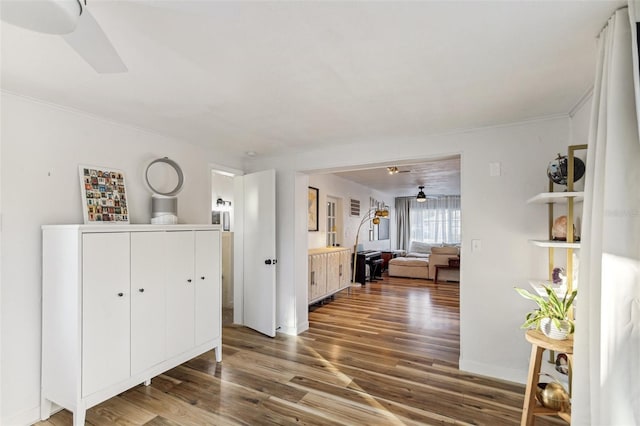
<point>392,170</point>
<point>72,20</point>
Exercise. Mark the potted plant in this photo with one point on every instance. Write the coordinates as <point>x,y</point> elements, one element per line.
<point>552,315</point>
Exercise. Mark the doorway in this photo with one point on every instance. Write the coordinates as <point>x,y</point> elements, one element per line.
<point>222,205</point>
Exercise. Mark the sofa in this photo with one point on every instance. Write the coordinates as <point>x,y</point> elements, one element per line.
<point>409,267</point>
<point>421,259</point>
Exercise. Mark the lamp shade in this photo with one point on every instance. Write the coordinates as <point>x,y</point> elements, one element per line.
<point>421,197</point>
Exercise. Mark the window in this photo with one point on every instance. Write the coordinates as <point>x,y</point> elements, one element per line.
<point>435,221</point>
<point>332,222</point>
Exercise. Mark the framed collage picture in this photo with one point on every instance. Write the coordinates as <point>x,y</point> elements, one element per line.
<point>104,195</point>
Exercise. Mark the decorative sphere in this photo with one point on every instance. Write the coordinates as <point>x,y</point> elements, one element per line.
<point>553,396</point>
<point>558,169</point>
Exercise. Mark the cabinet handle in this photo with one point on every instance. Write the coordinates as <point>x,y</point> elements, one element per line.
<point>313,277</point>
<point>202,278</point>
<point>120,294</point>
<point>189,280</point>
<point>141,290</point>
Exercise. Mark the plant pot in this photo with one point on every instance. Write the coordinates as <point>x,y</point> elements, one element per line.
<point>549,329</point>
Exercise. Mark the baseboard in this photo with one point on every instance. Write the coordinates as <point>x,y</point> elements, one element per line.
<point>27,417</point>
<point>291,331</point>
<point>303,326</point>
<point>294,331</point>
<point>490,370</point>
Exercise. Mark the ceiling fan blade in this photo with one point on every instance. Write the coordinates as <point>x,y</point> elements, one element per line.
<point>93,45</point>
<point>43,16</point>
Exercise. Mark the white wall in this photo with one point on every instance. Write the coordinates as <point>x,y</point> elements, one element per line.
<point>42,146</point>
<point>494,210</point>
<point>331,185</point>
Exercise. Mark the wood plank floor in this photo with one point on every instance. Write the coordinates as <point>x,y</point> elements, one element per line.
<point>383,354</point>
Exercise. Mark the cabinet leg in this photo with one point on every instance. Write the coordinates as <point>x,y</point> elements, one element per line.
<point>147,382</point>
<point>218,352</point>
<point>45,408</point>
<point>532,383</point>
<point>79,417</point>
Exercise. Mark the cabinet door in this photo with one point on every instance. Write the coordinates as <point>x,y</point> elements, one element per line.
<point>345,268</point>
<point>333,272</point>
<point>318,266</point>
<point>105,310</point>
<point>207,286</point>
<point>147,299</point>
<point>180,292</point>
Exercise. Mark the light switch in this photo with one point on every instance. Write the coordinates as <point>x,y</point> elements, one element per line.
<point>476,245</point>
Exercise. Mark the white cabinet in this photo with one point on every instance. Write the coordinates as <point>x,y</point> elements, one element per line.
<point>122,304</point>
<point>329,272</point>
<point>208,322</point>
<point>180,292</point>
<point>317,276</point>
<point>345,268</point>
<point>105,310</point>
<point>148,314</point>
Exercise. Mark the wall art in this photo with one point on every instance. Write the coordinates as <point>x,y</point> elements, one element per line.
<point>104,195</point>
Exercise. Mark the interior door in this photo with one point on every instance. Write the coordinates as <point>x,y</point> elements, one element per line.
<point>259,266</point>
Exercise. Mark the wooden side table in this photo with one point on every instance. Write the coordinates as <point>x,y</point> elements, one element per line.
<point>540,342</point>
<point>454,263</point>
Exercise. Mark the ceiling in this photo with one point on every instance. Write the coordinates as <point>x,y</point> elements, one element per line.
<point>275,76</point>
<point>439,177</point>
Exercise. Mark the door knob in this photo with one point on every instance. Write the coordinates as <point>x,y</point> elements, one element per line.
<point>120,294</point>
<point>267,262</point>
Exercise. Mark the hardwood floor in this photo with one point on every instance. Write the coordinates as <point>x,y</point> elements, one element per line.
<point>383,354</point>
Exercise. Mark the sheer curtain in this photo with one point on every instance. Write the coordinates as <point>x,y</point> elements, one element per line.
<point>606,379</point>
<point>436,220</point>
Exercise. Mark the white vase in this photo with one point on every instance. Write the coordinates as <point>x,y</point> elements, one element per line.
<point>550,329</point>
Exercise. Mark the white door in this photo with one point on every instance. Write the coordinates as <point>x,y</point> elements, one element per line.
<point>259,240</point>
<point>105,310</point>
<point>148,278</point>
<point>180,325</point>
<point>207,286</point>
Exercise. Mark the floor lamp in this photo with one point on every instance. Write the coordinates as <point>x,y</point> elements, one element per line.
<point>374,214</point>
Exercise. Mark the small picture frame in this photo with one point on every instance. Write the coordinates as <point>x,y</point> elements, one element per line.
<point>313,209</point>
<point>104,195</point>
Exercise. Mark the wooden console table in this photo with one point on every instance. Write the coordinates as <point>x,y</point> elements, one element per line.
<point>540,342</point>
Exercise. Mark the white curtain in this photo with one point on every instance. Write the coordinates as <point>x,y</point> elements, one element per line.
<point>436,220</point>
<point>634,18</point>
<point>606,379</point>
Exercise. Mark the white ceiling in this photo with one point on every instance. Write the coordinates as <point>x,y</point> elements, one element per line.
<point>439,177</point>
<point>269,76</point>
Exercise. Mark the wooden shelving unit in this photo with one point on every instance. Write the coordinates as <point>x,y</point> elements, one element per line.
<point>539,341</point>
<point>555,244</point>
